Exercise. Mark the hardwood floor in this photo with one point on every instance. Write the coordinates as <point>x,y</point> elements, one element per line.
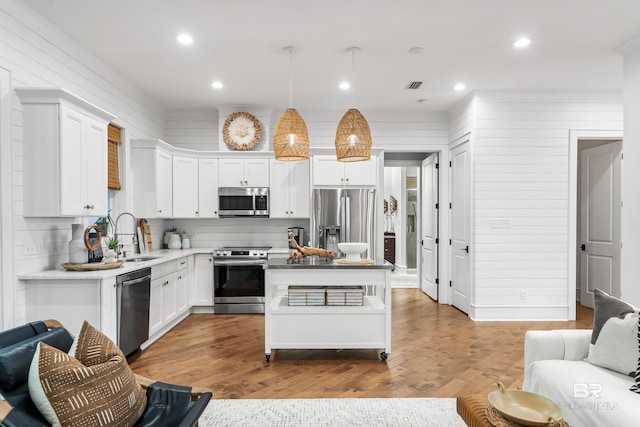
<point>436,351</point>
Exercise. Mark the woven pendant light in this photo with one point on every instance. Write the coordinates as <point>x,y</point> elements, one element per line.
<point>291,138</point>
<point>353,136</point>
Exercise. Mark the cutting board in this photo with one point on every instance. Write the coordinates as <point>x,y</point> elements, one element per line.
<point>147,231</point>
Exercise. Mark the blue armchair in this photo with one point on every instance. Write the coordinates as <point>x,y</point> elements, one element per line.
<point>167,405</point>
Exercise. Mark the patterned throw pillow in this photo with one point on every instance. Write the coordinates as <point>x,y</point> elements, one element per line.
<point>614,340</point>
<point>96,389</point>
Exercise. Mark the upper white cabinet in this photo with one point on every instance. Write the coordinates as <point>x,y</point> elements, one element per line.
<point>208,188</point>
<point>328,171</point>
<point>152,167</point>
<point>65,154</point>
<point>243,173</point>
<point>185,187</point>
<point>289,189</point>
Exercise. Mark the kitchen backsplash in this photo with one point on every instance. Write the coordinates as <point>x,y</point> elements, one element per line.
<point>215,233</point>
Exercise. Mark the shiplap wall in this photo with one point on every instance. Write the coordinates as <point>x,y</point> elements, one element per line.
<point>521,172</point>
<point>38,54</point>
<point>192,129</point>
<point>393,131</point>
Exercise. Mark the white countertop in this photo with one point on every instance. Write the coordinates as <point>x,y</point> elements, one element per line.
<point>160,256</point>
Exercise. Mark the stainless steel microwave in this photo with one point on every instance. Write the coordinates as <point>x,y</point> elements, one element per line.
<point>243,201</point>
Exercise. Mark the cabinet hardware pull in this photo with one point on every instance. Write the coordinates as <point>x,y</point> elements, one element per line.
<point>196,212</point>
<point>183,262</point>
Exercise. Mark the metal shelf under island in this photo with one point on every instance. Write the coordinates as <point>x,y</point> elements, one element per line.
<point>358,324</point>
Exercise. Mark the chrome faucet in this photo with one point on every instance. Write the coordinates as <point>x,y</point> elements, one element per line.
<point>117,235</point>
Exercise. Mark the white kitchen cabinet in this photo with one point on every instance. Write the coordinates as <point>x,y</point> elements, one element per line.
<point>207,188</point>
<point>203,280</point>
<point>65,154</point>
<point>185,187</point>
<point>152,179</point>
<point>156,317</point>
<point>289,189</point>
<point>72,301</point>
<point>169,296</point>
<point>328,171</point>
<point>236,172</point>
<point>182,287</point>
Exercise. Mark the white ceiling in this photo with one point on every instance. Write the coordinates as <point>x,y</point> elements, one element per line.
<point>241,43</point>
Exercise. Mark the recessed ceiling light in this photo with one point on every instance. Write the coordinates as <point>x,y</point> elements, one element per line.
<point>345,85</point>
<point>217,85</point>
<point>416,50</point>
<point>522,42</point>
<point>459,87</point>
<point>185,39</point>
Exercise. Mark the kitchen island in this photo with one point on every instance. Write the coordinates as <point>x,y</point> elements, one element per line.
<point>327,326</point>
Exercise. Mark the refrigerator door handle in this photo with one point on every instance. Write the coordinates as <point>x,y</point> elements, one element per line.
<point>345,219</point>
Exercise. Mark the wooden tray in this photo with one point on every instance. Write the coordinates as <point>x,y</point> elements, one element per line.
<point>92,266</point>
<point>361,262</point>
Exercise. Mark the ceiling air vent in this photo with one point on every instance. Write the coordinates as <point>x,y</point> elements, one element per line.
<point>413,85</point>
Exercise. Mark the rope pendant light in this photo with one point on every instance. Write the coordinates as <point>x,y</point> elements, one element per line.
<point>291,138</point>
<point>353,136</point>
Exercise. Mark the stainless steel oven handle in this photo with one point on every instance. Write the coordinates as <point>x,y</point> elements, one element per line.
<point>255,262</point>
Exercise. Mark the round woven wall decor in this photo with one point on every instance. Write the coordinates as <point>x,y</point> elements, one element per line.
<point>241,131</point>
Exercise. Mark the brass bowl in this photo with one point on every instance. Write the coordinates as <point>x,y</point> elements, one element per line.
<point>523,407</point>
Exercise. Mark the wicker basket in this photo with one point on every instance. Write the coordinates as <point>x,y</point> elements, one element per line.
<point>353,138</point>
<point>291,138</point>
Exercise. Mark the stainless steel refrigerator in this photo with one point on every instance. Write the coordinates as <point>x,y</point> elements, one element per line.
<point>343,215</point>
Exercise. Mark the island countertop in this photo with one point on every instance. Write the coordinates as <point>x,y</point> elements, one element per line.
<point>315,262</point>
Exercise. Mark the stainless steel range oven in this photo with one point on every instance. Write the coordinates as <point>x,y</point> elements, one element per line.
<point>238,279</point>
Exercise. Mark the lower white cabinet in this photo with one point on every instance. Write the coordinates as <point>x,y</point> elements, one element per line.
<point>203,280</point>
<point>182,287</point>
<point>169,294</point>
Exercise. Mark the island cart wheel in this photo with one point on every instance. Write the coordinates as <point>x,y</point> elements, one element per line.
<point>267,356</point>
<point>383,356</point>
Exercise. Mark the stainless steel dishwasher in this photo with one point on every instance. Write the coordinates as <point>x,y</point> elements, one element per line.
<point>133,293</point>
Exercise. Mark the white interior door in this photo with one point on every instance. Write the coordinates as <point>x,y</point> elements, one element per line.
<point>460,227</point>
<point>600,198</point>
<point>429,227</point>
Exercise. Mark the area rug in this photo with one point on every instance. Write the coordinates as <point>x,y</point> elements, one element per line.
<point>331,412</point>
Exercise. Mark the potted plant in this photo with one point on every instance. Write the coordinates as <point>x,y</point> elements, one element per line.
<point>110,255</point>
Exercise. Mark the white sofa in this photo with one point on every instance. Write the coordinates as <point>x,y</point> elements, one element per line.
<point>587,394</point>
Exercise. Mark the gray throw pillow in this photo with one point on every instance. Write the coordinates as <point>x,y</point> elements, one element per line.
<point>614,340</point>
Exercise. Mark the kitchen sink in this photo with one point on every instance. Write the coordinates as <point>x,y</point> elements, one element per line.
<point>140,258</point>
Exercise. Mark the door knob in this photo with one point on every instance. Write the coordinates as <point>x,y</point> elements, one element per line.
<point>583,247</point>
